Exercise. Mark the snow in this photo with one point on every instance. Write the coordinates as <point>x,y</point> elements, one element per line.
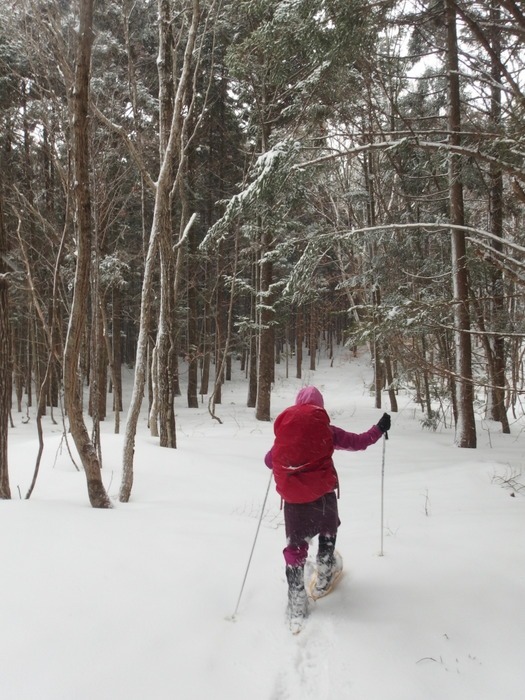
<point>134,602</point>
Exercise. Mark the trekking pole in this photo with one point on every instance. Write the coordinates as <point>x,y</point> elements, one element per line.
<point>385,438</point>
<point>232,617</point>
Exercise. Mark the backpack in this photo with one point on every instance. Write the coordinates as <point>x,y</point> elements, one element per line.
<point>302,454</point>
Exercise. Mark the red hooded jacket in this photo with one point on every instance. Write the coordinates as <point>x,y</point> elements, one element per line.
<point>301,456</point>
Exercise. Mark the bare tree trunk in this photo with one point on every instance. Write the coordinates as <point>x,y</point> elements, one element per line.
<point>252,371</point>
<point>313,336</point>
<point>221,333</point>
<point>165,349</point>
<point>266,350</point>
<point>376,352</point>
<point>497,406</point>
<point>162,204</point>
<point>79,308</point>
<point>426,383</point>
<point>225,312</point>
<point>193,346</point>
<point>18,359</point>
<point>192,276</point>
<point>370,180</point>
<point>98,366</point>
<point>154,408</point>
<point>206,354</point>
<point>5,358</point>
<point>466,426</point>
<point>252,361</point>
<point>115,379</point>
<point>299,339</point>
<point>116,352</point>
<point>390,383</point>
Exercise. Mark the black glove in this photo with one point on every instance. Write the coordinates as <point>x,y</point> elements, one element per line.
<point>384,423</point>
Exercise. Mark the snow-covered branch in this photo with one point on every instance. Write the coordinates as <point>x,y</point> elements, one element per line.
<point>414,142</point>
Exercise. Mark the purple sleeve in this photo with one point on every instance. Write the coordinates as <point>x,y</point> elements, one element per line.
<point>354,441</point>
<point>268,460</point>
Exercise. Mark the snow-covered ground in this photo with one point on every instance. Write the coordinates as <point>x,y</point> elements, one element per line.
<point>133,603</point>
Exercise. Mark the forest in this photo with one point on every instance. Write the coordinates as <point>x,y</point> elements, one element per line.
<point>186,185</point>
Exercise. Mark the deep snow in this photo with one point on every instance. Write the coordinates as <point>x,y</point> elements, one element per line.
<point>133,603</point>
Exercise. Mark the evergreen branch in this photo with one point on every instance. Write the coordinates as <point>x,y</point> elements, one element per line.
<point>266,167</point>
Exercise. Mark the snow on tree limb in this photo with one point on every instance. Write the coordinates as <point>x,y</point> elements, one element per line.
<point>508,167</point>
<point>267,168</point>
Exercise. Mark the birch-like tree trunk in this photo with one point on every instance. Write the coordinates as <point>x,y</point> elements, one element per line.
<point>161,212</point>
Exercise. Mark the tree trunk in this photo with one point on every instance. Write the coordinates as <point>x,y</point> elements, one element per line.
<point>299,339</point>
<point>191,324</point>
<point>221,334</point>
<point>5,358</point>
<point>79,307</point>
<point>164,378</point>
<point>390,383</point>
<point>116,351</point>
<point>162,200</point>
<point>165,349</point>
<point>313,337</point>
<point>376,353</point>
<point>266,350</point>
<point>497,406</point>
<point>206,354</point>
<point>253,354</point>
<point>252,371</point>
<point>466,426</point>
<point>193,348</point>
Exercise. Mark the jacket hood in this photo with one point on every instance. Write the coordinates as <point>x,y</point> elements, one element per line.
<point>310,395</point>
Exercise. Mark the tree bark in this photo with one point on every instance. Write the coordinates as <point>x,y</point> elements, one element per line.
<point>79,307</point>
<point>313,336</point>
<point>206,353</point>
<point>253,353</point>
<point>497,408</point>
<point>299,340</point>
<point>164,379</point>
<point>390,383</point>
<point>161,208</point>
<point>5,359</point>
<point>266,349</point>
<point>192,351</point>
<point>466,426</point>
<point>252,371</point>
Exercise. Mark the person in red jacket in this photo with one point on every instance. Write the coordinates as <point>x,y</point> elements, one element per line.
<point>306,480</point>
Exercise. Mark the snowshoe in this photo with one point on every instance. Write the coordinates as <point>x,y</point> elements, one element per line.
<point>327,573</point>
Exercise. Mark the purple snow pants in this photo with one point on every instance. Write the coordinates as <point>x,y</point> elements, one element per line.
<point>306,520</point>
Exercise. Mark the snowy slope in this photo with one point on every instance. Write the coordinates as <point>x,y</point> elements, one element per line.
<point>133,603</point>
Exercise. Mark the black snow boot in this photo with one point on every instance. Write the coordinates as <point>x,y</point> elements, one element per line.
<point>329,565</point>
<point>297,598</point>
